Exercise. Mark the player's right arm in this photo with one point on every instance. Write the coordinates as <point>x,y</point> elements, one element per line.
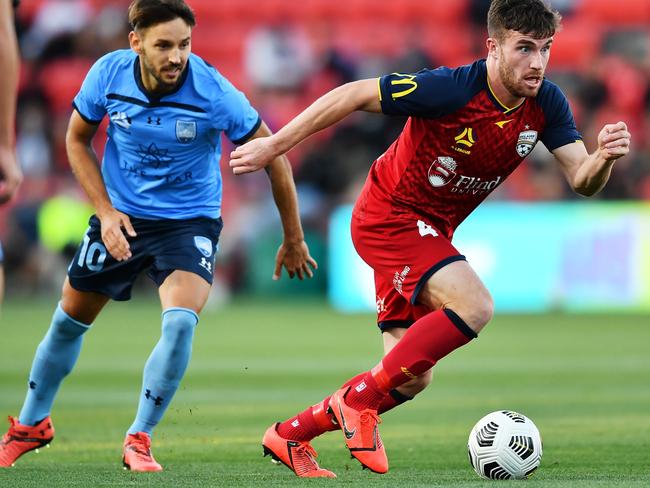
<point>329,109</point>
<point>85,167</point>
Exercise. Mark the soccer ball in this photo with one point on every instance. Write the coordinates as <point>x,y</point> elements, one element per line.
<point>505,445</point>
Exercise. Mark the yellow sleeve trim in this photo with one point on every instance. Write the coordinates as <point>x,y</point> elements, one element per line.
<point>379,88</point>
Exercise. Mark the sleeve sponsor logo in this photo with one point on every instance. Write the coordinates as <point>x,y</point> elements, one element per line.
<point>406,84</point>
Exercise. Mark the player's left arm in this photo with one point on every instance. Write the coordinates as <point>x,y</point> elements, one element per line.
<point>588,173</point>
<point>10,173</point>
<point>293,253</point>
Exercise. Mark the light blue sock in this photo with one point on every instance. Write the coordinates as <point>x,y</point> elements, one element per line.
<point>165,367</point>
<point>55,357</point>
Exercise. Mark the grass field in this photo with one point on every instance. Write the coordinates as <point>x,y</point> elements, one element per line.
<point>584,380</point>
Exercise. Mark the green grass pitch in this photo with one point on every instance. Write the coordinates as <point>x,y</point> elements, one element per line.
<point>583,379</point>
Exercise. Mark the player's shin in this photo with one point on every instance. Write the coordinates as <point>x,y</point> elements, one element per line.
<point>165,368</point>
<point>55,357</point>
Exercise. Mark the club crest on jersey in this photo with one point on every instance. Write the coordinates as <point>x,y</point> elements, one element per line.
<point>185,131</point>
<point>121,119</point>
<point>442,171</point>
<point>204,245</point>
<point>526,142</point>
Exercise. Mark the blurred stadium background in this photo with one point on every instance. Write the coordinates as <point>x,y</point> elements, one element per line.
<point>543,252</point>
<point>285,54</point>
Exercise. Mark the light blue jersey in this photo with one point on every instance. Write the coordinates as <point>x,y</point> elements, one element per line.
<point>162,154</point>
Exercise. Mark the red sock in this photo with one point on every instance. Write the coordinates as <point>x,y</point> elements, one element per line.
<point>428,340</point>
<point>327,422</point>
<point>313,421</point>
<point>367,392</point>
<point>302,427</point>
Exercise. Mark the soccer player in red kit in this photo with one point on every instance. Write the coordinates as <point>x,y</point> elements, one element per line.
<point>468,129</point>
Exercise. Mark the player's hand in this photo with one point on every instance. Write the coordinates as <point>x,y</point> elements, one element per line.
<point>113,221</point>
<point>296,259</point>
<point>253,156</point>
<point>614,141</point>
<point>10,174</point>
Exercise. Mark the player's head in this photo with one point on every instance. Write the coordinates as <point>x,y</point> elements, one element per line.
<point>521,33</point>
<point>161,36</point>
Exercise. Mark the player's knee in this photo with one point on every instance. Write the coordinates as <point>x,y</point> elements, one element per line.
<point>481,313</point>
<point>475,312</point>
<point>64,327</point>
<point>178,326</point>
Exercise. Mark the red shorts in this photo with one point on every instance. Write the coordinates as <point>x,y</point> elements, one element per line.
<point>403,252</point>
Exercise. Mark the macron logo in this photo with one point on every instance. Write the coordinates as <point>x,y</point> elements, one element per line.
<point>360,387</point>
<point>295,423</point>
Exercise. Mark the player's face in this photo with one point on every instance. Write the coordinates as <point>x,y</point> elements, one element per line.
<point>522,62</point>
<point>164,50</point>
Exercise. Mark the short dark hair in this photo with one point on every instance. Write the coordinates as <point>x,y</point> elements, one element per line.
<point>531,17</point>
<point>145,13</point>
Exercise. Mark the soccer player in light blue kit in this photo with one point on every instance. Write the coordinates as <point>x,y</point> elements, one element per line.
<point>158,202</point>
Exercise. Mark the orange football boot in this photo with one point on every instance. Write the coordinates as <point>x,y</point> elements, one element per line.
<point>360,431</point>
<point>20,439</point>
<point>137,453</point>
<point>298,456</point>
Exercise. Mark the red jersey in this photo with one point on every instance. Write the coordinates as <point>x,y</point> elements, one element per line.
<point>458,145</point>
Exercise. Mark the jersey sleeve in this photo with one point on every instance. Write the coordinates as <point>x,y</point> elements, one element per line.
<point>90,102</point>
<point>427,93</point>
<point>560,126</point>
<point>241,119</point>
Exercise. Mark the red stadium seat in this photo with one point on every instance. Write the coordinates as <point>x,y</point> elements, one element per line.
<point>220,43</point>
<point>221,11</point>
<point>321,10</point>
<point>100,4</point>
<point>369,38</point>
<point>277,11</point>
<point>576,45</point>
<point>450,45</point>
<point>29,8</point>
<point>442,12</point>
<point>612,12</point>
<point>61,80</point>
